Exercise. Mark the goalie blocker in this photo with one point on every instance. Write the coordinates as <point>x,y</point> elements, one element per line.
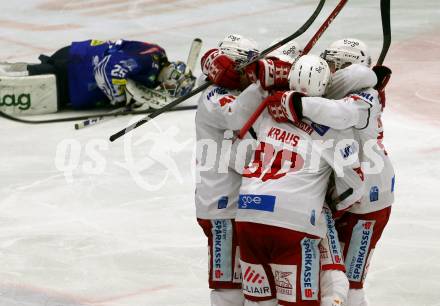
<point>28,95</point>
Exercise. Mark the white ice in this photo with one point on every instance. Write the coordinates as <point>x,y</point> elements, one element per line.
<point>113,224</point>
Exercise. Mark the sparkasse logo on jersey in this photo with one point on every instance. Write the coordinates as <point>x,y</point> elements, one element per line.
<point>222,247</point>
<point>23,101</point>
<point>310,269</point>
<point>361,239</point>
<point>331,235</point>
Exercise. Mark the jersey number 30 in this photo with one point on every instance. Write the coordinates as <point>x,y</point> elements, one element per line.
<point>269,164</point>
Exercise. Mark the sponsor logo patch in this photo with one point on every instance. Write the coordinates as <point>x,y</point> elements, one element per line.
<point>358,250</point>
<point>222,202</point>
<point>333,240</point>
<point>222,250</point>
<point>256,202</point>
<point>348,151</point>
<point>364,95</point>
<point>285,281</point>
<point>216,90</point>
<point>320,129</point>
<point>310,269</point>
<point>255,281</point>
<point>374,194</point>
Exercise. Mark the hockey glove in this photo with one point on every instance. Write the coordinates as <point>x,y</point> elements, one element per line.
<point>207,59</point>
<point>285,106</point>
<point>221,70</point>
<point>383,75</point>
<point>273,74</point>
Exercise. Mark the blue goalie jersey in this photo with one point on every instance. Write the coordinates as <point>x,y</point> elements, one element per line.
<point>98,70</point>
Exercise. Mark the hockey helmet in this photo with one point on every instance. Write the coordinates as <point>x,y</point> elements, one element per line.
<point>239,48</point>
<point>310,75</point>
<point>288,52</point>
<point>347,51</point>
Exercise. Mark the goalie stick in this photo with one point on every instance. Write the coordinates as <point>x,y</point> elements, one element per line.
<point>306,50</point>
<point>193,55</point>
<point>202,87</point>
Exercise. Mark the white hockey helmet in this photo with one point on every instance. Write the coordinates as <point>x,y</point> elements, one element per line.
<point>347,51</point>
<point>310,75</point>
<point>288,52</point>
<point>239,48</point>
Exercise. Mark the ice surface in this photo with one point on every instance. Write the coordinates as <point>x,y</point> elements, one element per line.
<point>118,228</point>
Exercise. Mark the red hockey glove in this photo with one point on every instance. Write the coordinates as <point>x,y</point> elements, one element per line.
<point>222,72</point>
<point>285,106</point>
<point>273,74</point>
<point>250,71</point>
<point>207,59</point>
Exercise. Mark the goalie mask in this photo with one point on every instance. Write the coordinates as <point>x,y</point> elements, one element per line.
<point>310,75</point>
<point>174,80</point>
<point>342,53</point>
<point>288,52</point>
<point>239,48</point>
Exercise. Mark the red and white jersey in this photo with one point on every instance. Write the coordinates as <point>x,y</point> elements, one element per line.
<point>218,171</point>
<point>286,183</point>
<point>362,110</point>
<point>352,78</point>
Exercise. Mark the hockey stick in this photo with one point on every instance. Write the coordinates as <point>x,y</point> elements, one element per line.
<point>193,55</point>
<point>95,120</point>
<point>300,31</point>
<point>85,117</point>
<point>332,203</point>
<point>386,28</point>
<point>306,50</point>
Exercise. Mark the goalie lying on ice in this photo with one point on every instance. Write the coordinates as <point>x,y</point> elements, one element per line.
<point>92,73</point>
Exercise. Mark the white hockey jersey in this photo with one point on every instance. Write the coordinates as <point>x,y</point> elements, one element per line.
<point>360,109</point>
<point>221,111</point>
<point>286,183</point>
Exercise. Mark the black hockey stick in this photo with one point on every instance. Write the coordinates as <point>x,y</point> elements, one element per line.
<point>332,203</point>
<point>85,117</point>
<point>386,28</point>
<point>383,73</point>
<point>300,31</point>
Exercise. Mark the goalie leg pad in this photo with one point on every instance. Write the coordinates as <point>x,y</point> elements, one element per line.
<point>28,95</point>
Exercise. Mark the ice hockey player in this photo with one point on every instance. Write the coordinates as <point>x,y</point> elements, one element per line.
<point>282,196</point>
<point>357,105</point>
<point>94,73</point>
<point>220,112</point>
